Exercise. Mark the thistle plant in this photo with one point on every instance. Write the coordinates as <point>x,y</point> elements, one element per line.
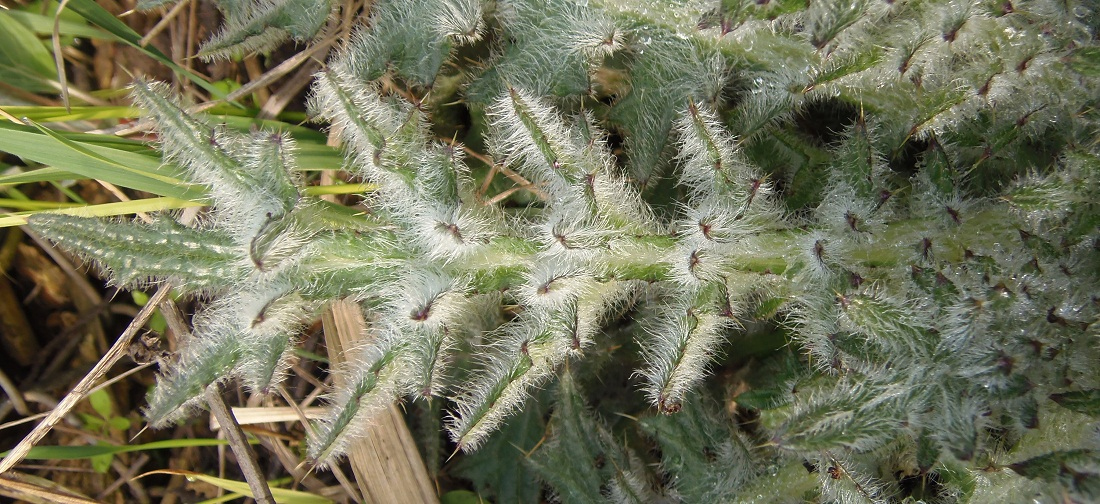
<point>901,200</point>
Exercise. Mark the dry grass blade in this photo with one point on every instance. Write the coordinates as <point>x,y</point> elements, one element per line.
<point>387,465</point>
<point>270,76</point>
<point>268,414</point>
<point>12,485</point>
<point>163,23</point>
<point>246,458</point>
<point>14,394</point>
<point>58,58</point>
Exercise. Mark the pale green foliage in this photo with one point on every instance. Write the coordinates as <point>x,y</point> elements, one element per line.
<point>193,260</point>
<point>879,218</point>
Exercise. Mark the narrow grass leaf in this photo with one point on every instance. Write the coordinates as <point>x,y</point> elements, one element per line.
<point>58,114</point>
<point>108,209</point>
<point>281,495</point>
<point>83,452</point>
<point>24,62</point>
<point>122,168</point>
<point>43,25</point>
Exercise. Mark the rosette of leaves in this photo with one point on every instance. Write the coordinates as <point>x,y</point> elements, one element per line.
<point>906,192</point>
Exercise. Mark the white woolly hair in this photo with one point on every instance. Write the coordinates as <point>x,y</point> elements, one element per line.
<point>596,36</point>
<point>713,223</point>
<point>520,359</point>
<point>769,102</point>
<point>966,321</point>
<point>367,123</point>
<point>1040,200</point>
<point>849,215</point>
<point>269,339</point>
<point>426,357</point>
<point>352,406</point>
<point>572,236</point>
<point>949,209</point>
<point>859,415</point>
<point>452,232</point>
<point>694,266</point>
<point>886,321</point>
<point>961,420</point>
<point>621,204</point>
<point>630,485</point>
<point>822,255</point>
<point>846,20</point>
<point>553,284</point>
<point>174,381</point>
<point>678,350</point>
<point>855,484</point>
<point>266,168</point>
<point>270,157</point>
<point>277,246</point>
<point>706,151</point>
<point>523,125</point>
<point>813,321</point>
<point>95,241</point>
<point>242,190</point>
<point>578,323</point>
<point>260,25</point>
<point>443,175</point>
<point>239,309</point>
<point>427,297</point>
<point>460,20</point>
<point>232,323</point>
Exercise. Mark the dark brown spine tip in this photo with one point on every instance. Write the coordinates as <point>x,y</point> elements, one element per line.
<point>694,260</point>
<point>954,214</point>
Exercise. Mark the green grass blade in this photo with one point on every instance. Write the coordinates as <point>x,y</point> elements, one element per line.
<point>114,142</point>
<point>339,189</point>
<point>122,168</point>
<point>43,25</point>
<point>281,495</point>
<point>32,205</point>
<point>24,61</point>
<point>108,209</point>
<point>88,451</point>
<point>58,114</point>
<point>47,174</point>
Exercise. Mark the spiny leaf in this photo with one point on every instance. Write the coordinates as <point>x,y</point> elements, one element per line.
<point>135,254</point>
<point>1081,401</point>
<point>180,389</point>
<point>1077,470</point>
<point>697,445</point>
<point>261,25</point>
<point>581,457</point>
<point>498,469</point>
<point>369,385</point>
